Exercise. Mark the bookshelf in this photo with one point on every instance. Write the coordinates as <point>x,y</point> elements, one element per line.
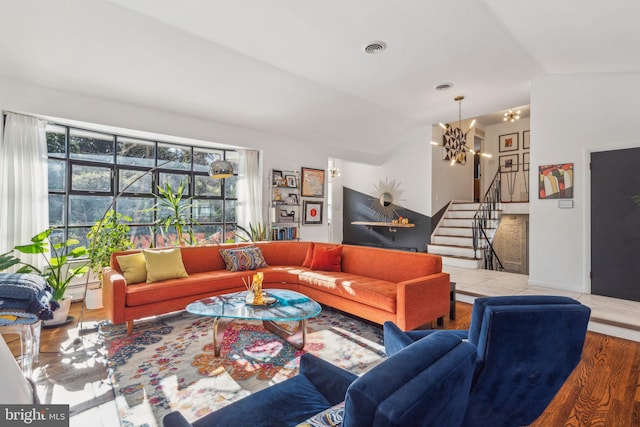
<point>284,205</point>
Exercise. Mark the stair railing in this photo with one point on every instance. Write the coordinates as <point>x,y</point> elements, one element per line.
<point>487,213</point>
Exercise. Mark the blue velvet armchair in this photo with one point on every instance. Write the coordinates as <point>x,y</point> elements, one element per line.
<point>527,347</point>
<point>425,384</point>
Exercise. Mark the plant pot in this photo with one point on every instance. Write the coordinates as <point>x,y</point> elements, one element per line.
<point>61,315</point>
<point>93,300</point>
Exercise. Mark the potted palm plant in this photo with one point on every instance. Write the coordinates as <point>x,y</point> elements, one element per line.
<point>57,271</point>
<point>174,213</point>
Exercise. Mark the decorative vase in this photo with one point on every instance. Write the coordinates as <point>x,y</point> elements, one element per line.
<point>249,297</point>
<point>61,314</point>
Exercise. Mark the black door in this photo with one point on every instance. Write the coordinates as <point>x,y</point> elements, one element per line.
<point>615,224</point>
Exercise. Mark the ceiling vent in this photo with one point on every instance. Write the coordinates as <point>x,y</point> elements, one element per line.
<point>375,47</point>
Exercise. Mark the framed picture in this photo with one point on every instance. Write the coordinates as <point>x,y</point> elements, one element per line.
<point>312,182</point>
<point>525,139</point>
<point>508,142</point>
<point>291,181</point>
<point>555,181</point>
<point>276,177</point>
<point>312,212</point>
<point>509,163</point>
<point>525,161</point>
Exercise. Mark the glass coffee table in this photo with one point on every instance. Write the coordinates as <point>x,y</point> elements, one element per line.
<point>288,306</point>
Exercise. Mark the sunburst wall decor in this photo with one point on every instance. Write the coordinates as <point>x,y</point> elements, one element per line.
<point>386,196</point>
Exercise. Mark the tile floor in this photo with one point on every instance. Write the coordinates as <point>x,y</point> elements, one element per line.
<point>611,316</point>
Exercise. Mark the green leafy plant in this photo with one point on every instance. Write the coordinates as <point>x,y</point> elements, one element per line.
<point>254,234</point>
<point>8,260</point>
<point>57,273</point>
<point>109,235</point>
<point>174,212</point>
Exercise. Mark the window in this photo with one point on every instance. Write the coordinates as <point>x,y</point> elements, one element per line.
<point>87,169</point>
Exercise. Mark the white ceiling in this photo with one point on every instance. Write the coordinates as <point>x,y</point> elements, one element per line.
<point>297,68</point>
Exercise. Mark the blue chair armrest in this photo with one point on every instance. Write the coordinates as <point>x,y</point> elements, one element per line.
<point>331,381</point>
<point>175,419</point>
<point>395,339</point>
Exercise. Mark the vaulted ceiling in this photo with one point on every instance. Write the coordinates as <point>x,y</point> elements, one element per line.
<point>297,68</point>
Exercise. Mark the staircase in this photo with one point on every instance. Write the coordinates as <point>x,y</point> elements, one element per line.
<point>453,238</point>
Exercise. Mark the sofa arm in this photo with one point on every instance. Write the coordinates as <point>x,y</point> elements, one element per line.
<point>331,381</point>
<point>114,288</point>
<point>422,300</point>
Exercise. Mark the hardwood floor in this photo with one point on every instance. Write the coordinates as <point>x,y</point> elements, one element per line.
<point>604,390</point>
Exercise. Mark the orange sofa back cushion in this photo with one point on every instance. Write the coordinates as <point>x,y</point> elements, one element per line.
<point>389,264</point>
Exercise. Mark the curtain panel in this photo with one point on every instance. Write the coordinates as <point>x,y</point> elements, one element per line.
<point>24,198</point>
<point>249,188</point>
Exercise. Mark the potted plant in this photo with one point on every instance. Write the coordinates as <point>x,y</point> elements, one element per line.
<point>106,236</point>
<point>57,272</point>
<point>174,212</point>
<point>259,233</point>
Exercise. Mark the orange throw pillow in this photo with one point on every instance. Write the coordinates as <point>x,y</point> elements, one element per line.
<point>327,259</point>
<point>309,257</point>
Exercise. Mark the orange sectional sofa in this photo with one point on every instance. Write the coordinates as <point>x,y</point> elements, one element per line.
<point>407,288</point>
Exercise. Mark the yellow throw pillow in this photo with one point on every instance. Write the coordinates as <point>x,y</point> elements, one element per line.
<point>164,264</point>
<point>134,267</point>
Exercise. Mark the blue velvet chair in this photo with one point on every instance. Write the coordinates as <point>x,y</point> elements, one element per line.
<point>527,347</point>
<point>425,384</point>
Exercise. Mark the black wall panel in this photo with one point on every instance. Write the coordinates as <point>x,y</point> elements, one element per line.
<point>357,207</point>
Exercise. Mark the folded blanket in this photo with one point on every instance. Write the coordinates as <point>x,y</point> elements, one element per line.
<point>17,317</point>
<point>22,294</point>
<point>21,285</point>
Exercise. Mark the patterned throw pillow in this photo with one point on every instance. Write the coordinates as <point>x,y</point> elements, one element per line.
<point>331,417</point>
<point>241,259</point>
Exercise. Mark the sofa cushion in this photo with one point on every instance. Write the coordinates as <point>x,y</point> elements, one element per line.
<point>134,267</point>
<point>283,252</point>
<point>200,283</point>
<point>241,259</point>
<point>309,257</point>
<point>326,259</point>
<point>164,264</point>
<point>376,293</point>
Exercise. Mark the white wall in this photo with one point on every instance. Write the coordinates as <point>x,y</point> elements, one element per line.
<point>489,166</point>
<point>572,116</point>
<point>449,182</point>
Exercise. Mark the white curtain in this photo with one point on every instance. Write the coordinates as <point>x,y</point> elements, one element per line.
<point>24,198</point>
<point>249,189</point>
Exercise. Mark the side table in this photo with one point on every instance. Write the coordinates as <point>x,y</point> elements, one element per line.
<point>29,343</point>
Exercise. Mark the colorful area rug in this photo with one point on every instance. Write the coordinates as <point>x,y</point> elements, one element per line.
<point>168,362</point>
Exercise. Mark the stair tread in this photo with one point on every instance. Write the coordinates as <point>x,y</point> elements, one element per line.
<point>452,246</point>
<point>452,235</point>
<point>461,257</point>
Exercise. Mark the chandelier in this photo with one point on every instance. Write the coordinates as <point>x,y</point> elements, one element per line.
<point>510,116</point>
<point>455,140</point>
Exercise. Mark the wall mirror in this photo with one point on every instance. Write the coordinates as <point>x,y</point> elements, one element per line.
<point>387,196</point>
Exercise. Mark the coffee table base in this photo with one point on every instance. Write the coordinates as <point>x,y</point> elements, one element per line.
<point>296,338</point>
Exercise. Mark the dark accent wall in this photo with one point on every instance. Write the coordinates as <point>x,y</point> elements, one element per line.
<point>357,207</point>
